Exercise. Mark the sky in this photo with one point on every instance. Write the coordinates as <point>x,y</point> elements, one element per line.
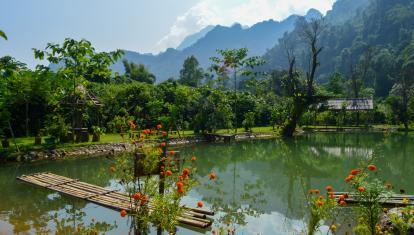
<point>146,26</point>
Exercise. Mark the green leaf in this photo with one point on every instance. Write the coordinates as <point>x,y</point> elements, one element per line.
<point>3,35</point>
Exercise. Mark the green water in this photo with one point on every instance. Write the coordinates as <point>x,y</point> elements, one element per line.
<point>259,187</point>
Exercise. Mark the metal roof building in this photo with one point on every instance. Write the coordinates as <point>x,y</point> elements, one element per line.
<point>350,104</point>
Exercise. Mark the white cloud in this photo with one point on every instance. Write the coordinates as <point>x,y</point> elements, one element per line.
<point>227,12</point>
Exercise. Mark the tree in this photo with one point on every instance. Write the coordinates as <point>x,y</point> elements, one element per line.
<point>79,62</point>
<point>138,72</point>
<point>191,74</point>
<point>303,94</point>
<point>235,62</point>
<point>3,35</point>
<point>248,121</point>
<point>404,86</point>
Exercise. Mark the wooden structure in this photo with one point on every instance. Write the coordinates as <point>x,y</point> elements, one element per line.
<point>107,198</point>
<point>358,104</point>
<point>395,200</point>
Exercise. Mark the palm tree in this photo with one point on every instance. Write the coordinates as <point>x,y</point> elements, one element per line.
<point>3,35</point>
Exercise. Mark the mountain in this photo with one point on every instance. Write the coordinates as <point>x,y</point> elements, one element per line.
<point>374,36</point>
<point>345,10</point>
<point>257,38</point>
<point>193,38</point>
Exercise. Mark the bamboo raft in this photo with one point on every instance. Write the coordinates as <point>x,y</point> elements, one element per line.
<point>107,198</point>
<point>395,200</point>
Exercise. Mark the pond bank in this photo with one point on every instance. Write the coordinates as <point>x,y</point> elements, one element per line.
<point>107,149</point>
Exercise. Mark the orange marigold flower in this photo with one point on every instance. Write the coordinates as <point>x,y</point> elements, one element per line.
<point>186,172</point>
<point>164,133</point>
<point>331,195</point>
<point>361,189</point>
<point>342,197</point>
<point>321,197</point>
<point>159,126</point>
<point>169,173</point>
<point>319,203</point>
<point>372,167</point>
<point>212,176</point>
<point>144,199</point>
<point>199,204</point>
<point>329,188</point>
<point>137,196</point>
<point>180,190</point>
<point>112,169</point>
<point>180,178</point>
<point>342,203</point>
<point>355,172</point>
<point>193,158</point>
<point>123,213</point>
<point>179,184</point>
<point>131,124</point>
<point>349,178</point>
<point>171,152</point>
<point>163,144</point>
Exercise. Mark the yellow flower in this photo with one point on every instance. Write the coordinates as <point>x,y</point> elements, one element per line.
<point>333,228</point>
<point>405,201</point>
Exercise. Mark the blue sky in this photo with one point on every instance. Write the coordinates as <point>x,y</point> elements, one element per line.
<point>138,25</point>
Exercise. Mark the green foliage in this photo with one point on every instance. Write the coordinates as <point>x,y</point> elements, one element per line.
<point>138,72</point>
<point>191,74</point>
<point>79,61</point>
<point>3,35</point>
<point>248,121</point>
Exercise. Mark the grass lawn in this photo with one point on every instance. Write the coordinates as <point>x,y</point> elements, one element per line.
<point>27,143</point>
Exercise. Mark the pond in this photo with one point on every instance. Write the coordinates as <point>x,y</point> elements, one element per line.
<point>260,186</point>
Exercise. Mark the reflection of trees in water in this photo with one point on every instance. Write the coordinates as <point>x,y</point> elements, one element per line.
<point>27,207</point>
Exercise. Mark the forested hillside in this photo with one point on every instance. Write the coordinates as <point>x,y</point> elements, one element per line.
<point>374,39</point>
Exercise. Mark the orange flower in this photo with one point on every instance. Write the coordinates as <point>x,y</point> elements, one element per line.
<point>180,178</point>
<point>199,204</point>
<point>123,213</point>
<point>137,196</point>
<point>134,142</point>
<point>162,168</point>
<point>186,172</point>
<point>171,152</point>
<point>112,169</point>
<point>164,133</point>
<point>349,178</point>
<point>331,195</point>
<point>329,188</point>
<point>342,203</point>
<point>144,199</point>
<point>372,167</point>
<point>355,172</point>
<point>179,184</point>
<point>321,197</point>
<point>180,190</point>
<point>342,197</point>
<point>361,189</point>
<point>163,144</point>
<point>193,158</point>
<point>212,176</point>
<point>169,173</point>
<point>319,203</point>
<point>131,124</point>
<point>159,126</point>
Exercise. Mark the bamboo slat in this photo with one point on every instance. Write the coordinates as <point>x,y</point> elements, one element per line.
<point>107,198</point>
<point>389,200</point>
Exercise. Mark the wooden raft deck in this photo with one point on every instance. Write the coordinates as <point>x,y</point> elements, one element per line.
<point>104,197</point>
<point>395,200</point>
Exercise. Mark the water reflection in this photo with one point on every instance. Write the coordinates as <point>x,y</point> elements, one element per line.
<point>260,186</point>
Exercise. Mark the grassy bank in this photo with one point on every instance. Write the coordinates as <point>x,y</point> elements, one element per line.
<point>27,143</point>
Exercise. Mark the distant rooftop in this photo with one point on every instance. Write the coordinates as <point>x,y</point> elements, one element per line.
<point>350,104</point>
